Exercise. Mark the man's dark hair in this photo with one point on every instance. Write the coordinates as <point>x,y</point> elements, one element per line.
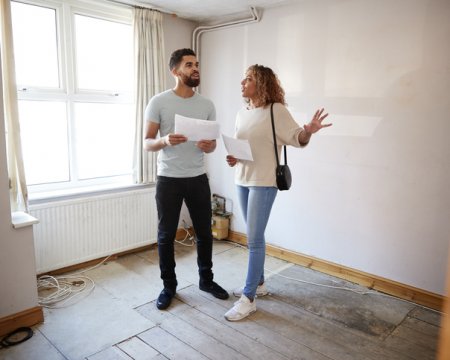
<point>177,57</point>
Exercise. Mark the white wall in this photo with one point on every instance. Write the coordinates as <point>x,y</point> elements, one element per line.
<point>17,263</point>
<point>372,192</point>
<point>177,35</point>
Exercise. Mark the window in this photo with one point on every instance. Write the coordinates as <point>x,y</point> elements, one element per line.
<point>74,71</point>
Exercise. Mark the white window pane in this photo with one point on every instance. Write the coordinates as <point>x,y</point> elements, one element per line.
<point>35,45</point>
<point>43,127</point>
<point>104,135</point>
<point>104,54</point>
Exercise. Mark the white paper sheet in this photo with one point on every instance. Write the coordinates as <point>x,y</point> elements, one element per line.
<point>196,129</point>
<point>239,148</point>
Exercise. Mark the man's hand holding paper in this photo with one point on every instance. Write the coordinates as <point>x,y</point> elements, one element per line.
<point>174,139</point>
<point>196,129</point>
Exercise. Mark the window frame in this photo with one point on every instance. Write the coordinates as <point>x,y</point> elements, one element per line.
<point>68,91</point>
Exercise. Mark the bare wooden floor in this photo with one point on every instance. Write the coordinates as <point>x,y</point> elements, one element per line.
<point>298,320</point>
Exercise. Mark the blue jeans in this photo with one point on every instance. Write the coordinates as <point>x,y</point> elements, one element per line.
<point>256,203</point>
<point>170,193</point>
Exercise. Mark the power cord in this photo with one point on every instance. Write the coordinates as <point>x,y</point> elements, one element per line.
<point>189,239</point>
<point>66,288</point>
<point>359,292</point>
<point>16,337</point>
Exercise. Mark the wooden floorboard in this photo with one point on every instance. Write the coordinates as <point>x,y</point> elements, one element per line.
<point>169,345</point>
<point>185,330</point>
<point>332,339</point>
<point>297,320</point>
<point>249,328</point>
<point>415,338</point>
<point>280,330</point>
<point>135,348</point>
<point>301,321</point>
<point>429,316</point>
<point>245,345</point>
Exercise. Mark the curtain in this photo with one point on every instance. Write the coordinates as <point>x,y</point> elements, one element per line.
<point>150,80</point>
<point>16,172</point>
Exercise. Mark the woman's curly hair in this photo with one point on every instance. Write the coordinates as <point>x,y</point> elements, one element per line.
<point>268,87</point>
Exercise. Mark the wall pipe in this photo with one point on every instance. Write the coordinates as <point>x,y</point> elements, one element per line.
<point>198,31</point>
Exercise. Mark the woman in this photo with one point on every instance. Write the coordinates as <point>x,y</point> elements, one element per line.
<point>255,180</point>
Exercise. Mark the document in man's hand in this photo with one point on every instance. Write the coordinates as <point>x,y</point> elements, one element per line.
<point>239,148</point>
<point>196,129</point>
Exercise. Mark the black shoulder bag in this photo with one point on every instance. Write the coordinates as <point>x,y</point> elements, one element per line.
<point>282,172</point>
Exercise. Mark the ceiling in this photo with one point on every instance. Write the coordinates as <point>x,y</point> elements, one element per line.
<point>210,11</point>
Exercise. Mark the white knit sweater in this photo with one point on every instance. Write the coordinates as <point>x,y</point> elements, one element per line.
<point>255,126</point>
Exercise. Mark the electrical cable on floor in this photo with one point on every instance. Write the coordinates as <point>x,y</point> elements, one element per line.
<point>67,289</point>
<point>359,292</point>
<point>16,337</point>
<point>187,238</point>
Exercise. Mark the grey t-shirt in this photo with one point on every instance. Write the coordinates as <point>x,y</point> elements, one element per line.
<point>183,160</point>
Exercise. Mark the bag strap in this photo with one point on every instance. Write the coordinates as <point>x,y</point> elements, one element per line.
<point>275,139</point>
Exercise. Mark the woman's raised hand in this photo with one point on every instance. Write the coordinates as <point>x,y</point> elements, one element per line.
<point>316,122</point>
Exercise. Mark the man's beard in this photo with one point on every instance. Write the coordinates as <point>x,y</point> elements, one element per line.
<point>190,81</point>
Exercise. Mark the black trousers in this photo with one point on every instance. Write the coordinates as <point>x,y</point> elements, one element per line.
<point>196,193</point>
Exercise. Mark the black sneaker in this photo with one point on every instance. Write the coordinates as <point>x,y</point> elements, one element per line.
<point>164,299</point>
<point>215,290</point>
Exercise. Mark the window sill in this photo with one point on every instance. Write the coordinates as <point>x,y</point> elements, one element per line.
<point>45,197</point>
<point>21,219</point>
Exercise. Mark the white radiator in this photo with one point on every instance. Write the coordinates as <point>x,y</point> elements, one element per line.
<point>82,229</point>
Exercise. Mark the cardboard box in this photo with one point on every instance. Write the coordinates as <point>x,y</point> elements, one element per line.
<point>220,222</point>
<point>219,233</point>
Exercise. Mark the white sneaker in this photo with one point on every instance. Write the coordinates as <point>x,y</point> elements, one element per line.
<point>241,309</point>
<point>261,290</point>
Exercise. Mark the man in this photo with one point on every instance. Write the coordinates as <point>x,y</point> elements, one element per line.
<point>181,173</point>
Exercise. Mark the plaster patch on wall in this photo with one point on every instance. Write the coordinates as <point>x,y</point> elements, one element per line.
<point>351,125</point>
<point>343,125</point>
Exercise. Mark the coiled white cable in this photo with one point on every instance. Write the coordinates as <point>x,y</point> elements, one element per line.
<point>67,289</point>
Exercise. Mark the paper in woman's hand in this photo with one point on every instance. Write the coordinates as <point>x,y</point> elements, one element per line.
<point>239,148</point>
<point>196,129</point>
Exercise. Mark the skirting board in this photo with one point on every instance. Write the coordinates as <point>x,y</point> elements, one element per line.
<point>391,287</point>
<point>402,291</point>
<point>26,318</point>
